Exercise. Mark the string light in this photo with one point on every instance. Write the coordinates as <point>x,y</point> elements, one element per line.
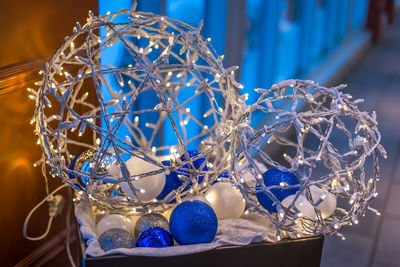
<point>230,140</point>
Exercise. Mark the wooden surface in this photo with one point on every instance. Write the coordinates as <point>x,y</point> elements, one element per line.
<point>376,240</point>
<point>31,30</point>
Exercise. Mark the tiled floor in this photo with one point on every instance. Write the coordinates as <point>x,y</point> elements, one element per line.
<point>376,240</point>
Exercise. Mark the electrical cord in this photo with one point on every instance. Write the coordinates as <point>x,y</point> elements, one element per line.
<point>69,211</point>
<point>56,203</point>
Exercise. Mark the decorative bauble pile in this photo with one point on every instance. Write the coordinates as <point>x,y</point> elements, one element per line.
<point>191,222</point>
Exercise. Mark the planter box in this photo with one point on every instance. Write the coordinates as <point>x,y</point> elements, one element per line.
<point>286,253</point>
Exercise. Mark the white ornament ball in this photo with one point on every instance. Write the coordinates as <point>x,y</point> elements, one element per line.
<point>329,202</point>
<point>113,221</point>
<point>149,186</point>
<point>114,171</point>
<point>190,197</point>
<point>226,200</point>
<point>302,205</point>
<point>247,176</point>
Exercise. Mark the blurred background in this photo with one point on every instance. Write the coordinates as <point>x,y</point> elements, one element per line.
<point>349,41</point>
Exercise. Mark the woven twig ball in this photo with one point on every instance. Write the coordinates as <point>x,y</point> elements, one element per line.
<point>319,135</point>
<point>165,98</point>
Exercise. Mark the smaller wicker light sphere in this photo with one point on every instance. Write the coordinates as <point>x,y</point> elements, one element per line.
<point>333,143</point>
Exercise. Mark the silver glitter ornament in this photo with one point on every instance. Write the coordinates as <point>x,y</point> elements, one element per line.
<point>116,238</point>
<point>150,220</point>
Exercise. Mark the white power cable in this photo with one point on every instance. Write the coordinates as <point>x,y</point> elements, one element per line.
<point>71,260</point>
<point>55,207</point>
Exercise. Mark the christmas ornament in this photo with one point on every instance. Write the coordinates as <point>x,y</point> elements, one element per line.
<point>198,164</point>
<point>327,201</point>
<point>83,163</point>
<point>155,237</point>
<point>150,220</point>
<point>113,221</point>
<point>116,238</point>
<point>190,197</point>
<point>193,222</point>
<point>149,186</point>
<point>303,206</point>
<point>226,200</point>
<point>172,182</point>
<point>279,179</point>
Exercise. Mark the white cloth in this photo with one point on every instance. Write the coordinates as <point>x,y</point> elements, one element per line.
<point>231,232</point>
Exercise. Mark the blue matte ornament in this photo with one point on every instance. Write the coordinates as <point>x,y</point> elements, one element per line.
<point>224,175</point>
<point>172,182</point>
<point>116,238</point>
<point>193,222</point>
<point>275,176</point>
<point>196,163</point>
<point>155,237</point>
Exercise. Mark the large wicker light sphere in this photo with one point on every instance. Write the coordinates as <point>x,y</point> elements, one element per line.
<point>135,121</point>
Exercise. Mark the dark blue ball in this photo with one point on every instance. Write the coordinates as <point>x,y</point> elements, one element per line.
<point>155,237</point>
<point>193,222</point>
<point>274,177</point>
<point>172,182</point>
<point>224,175</point>
<point>196,163</point>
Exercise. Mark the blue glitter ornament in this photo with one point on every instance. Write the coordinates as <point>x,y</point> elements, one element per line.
<point>172,182</point>
<point>275,176</point>
<point>116,238</point>
<point>155,237</point>
<point>193,222</point>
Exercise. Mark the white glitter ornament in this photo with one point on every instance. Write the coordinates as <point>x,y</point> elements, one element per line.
<point>328,204</point>
<point>195,197</point>
<point>302,205</point>
<point>226,200</point>
<point>149,186</point>
<point>113,221</point>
